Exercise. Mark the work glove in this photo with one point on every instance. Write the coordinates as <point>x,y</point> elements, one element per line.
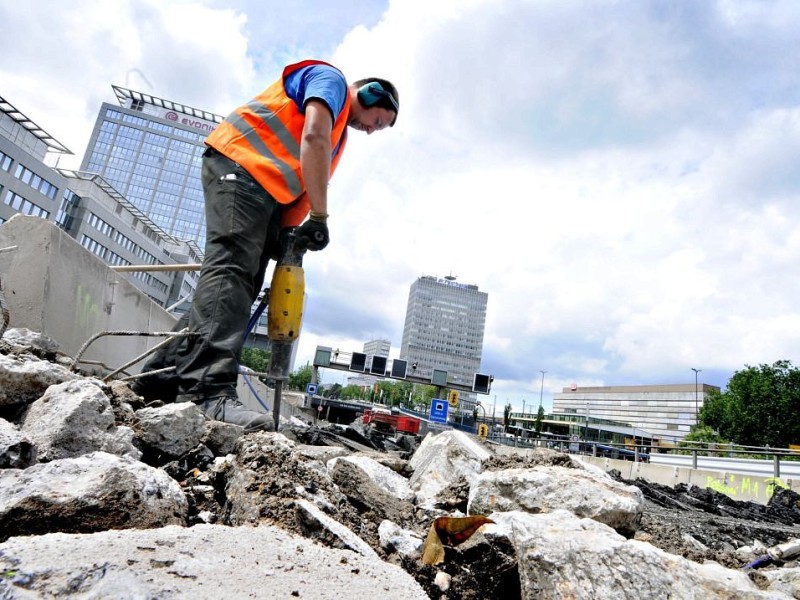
<point>313,234</point>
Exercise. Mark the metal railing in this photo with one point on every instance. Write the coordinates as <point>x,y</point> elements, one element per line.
<point>756,460</point>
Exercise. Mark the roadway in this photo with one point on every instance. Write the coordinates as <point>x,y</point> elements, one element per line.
<point>741,466</point>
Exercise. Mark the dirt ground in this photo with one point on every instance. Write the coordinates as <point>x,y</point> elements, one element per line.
<point>701,524</point>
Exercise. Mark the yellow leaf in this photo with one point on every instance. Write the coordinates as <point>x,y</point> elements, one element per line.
<point>457,530</point>
<point>432,549</point>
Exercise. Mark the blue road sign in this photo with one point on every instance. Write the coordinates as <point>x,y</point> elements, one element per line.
<point>438,411</point>
<point>311,389</point>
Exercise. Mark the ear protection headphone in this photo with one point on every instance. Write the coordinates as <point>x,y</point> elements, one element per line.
<point>371,93</point>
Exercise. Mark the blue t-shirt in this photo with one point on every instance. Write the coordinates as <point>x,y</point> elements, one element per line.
<point>321,82</point>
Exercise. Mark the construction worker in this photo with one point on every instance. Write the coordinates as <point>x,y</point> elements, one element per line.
<point>266,167</point>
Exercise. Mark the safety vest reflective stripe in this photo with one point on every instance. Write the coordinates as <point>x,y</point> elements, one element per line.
<point>263,136</point>
<point>275,125</point>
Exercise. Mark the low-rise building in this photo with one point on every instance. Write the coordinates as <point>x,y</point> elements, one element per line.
<point>667,412</point>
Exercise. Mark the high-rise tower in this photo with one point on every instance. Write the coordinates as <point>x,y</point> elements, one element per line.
<point>444,328</point>
<point>150,149</point>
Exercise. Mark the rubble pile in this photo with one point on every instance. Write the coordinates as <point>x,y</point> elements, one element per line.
<point>104,497</point>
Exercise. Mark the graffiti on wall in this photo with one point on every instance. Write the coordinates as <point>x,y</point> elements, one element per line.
<point>733,486</point>
<point>86,309</point>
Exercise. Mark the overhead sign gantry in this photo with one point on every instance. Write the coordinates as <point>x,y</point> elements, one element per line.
<point>328,358</point>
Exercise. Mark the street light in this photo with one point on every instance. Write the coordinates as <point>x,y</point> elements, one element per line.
<point>541,389</point>
<point>696,411</point>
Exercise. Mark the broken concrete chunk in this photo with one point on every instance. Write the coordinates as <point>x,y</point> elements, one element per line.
<point>172,429</point>
<point>205,561</point>
<point>74,418</point>
<point>321,453</point>
<point>394,538</point>
<point>545,489</point>
<point>221,437</point>
<point>40,344</point>
<point>371,486</point>
<point>441,460</point>
<point>17,451</point>
<point>317,525</point>
<point>784,581</point>
<point>23,380</point>
<point>563,556</point>
<point>120,441</point>
<point>384,477</point>
<point>90,493</point>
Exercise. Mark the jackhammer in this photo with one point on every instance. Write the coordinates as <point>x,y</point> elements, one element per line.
<point>285,314</point>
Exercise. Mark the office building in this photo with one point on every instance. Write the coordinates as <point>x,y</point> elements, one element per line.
<point>668,412</point>
<point>110,227</point>
<point>28,185</point>
<point>444,327</point>
<point>150,149</point>
<point>88,208</point>
<point>379,348</point>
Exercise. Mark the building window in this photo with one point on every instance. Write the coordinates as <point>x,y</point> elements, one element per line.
<point>24,206</point>
<point>37,183</point>
<point>5,162</point>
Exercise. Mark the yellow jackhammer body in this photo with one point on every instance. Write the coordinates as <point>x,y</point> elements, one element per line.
<point>285,315</point>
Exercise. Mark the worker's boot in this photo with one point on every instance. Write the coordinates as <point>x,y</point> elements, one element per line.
<point>229,409</point>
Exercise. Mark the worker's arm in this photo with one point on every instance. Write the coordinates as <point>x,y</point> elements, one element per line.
<point>315,154</point>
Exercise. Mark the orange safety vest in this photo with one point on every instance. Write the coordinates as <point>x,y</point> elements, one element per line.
<point>263,136</point>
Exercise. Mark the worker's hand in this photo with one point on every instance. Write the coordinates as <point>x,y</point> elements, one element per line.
<point>313,234</point>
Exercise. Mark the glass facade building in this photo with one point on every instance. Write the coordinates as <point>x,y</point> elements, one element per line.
<point>667,412</point>
<point>88,209</point>
<point>150,150</point>
<point>444,327</point>
<point>28,186</point>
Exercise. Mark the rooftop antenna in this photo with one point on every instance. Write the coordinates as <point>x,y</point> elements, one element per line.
<point>140,74</point>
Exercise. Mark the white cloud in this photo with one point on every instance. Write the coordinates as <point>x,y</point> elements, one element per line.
<point>619,176</point>
<point>61,59</point>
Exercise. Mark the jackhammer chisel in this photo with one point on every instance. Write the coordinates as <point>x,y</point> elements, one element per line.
<point>285,314</point>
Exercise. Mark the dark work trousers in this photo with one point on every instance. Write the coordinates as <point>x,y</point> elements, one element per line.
<point>242,234</point>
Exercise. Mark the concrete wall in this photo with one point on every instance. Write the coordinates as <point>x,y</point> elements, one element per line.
<point>738,487</point>
<point>255,395</point>
<point>53,285</point>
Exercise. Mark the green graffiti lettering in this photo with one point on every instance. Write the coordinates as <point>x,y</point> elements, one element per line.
<point>772,484</point>
<point>85,309</point>
<point>719,486</point>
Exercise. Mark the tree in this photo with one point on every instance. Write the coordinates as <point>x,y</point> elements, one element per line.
<point>506,417</point>
<point>759,408</point>
<point>300,378</point>
<point>350,391</point>
<point>255,358</point>
<point>705,434</point>
<point>539,418</point>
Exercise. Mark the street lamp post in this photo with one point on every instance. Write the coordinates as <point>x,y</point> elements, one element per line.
<point>541,389</point>
<point>696,410</point>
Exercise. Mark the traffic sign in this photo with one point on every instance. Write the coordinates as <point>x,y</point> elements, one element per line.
<point>483,430</point>
<point>574,446</point>
<point>311,389</point>
<point>438,412</point>
<point>452,399</point>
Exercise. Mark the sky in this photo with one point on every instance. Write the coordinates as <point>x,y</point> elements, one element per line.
<point>620,176</point>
